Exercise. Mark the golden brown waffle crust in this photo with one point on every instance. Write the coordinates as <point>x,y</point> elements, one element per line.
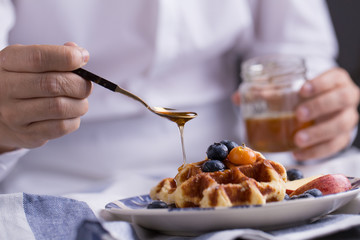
<point>257,183</point>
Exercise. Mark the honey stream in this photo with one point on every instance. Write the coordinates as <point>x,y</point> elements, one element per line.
<point>180,118</point>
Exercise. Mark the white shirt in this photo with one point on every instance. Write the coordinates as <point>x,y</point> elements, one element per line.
<point>180,54</point>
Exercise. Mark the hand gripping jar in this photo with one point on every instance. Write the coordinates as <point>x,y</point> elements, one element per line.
<point>269,97</point>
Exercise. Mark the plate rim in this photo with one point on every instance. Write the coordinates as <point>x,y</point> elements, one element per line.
<point>198,210</point>
<point>177,221</point>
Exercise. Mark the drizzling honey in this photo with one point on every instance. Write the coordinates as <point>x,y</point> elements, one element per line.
<point>180,118</point>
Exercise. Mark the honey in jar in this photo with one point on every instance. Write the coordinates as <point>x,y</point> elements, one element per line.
<point>273,133</point>
<point>269,97</point>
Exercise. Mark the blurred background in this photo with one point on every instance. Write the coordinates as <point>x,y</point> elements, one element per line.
<point>345,16</point>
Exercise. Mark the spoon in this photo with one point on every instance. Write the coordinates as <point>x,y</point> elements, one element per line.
<point>172,114</point>
<point>180,118</point>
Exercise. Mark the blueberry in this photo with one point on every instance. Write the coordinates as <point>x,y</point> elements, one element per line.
<point>294,174</point>
<point>229,144</point>
<point>301,196</point>
<point>217,151</point>
<point>157,204</point>
<point>287,197</point>
<point>213,166</point>
<point>315,192</point>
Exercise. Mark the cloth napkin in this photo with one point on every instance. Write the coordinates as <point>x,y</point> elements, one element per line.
<point>29,216</point>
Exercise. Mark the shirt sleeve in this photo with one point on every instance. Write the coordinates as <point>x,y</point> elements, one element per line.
<point>7,160</point>
<point>301,28</point>
<point>7,19</point>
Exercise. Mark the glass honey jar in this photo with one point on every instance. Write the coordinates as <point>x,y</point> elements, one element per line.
<point>269,97</point>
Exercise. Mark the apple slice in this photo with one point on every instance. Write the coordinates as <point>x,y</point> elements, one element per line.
<point>327,184</point>
<point>291,186</point>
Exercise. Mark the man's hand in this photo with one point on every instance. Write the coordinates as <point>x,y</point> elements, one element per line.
<point>331,100</point>
<point>40,99</point>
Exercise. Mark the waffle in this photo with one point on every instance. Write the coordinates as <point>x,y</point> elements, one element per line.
<point>257,183</point>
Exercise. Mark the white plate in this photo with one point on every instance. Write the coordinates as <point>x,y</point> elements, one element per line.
<point>193,221</point>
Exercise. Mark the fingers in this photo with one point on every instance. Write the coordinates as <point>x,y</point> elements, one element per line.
<point>71,44</point>
<point>38,133</point>
<point>42,58</point>
<point>343,122</point>
<point>327,103</point>
<point>26,112</point>
<point>50,84</point>
<point>236,99</point>
<point>327,81</point>
<point>330,92</point>
<point>323,149</point>
<point>52,129</point>
<point>31,123</point>
<point>330,100</point>
<point>40,99</point>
